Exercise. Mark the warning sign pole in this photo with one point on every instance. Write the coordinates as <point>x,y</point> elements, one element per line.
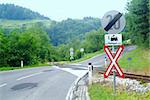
<point>114,73</point>
<point>109,22</point>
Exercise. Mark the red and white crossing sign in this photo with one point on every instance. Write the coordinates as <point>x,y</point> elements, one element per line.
<point>113,61</point>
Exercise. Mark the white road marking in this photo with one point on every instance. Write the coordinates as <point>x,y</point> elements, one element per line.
<point>3,84</point>
<point>75,64</point>
<point>77,73</point>
<point>24,77</point>
<point>56,67</point>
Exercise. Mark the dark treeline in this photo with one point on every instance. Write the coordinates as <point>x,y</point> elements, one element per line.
<point>13,12</point>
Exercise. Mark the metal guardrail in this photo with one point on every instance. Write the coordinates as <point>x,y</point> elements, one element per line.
<point>74,87</point>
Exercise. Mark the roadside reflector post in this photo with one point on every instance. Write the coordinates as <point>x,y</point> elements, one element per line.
<point>90,73</point>
<point>21,63</point>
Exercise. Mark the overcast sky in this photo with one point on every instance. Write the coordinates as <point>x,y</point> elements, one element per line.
<point>77,9</point>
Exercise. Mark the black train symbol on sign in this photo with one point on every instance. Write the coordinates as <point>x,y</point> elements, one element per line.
<point>114,38</point>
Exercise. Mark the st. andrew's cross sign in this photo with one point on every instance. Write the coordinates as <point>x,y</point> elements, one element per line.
<point>113,61</point>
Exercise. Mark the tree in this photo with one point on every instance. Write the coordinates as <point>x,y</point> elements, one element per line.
<point>3,47</point>
<point>94,41</point>
<point>65,31</point>
<point>138,21</point>
<point>32,46</point>
<point>11,11</point>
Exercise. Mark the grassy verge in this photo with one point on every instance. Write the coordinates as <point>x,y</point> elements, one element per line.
<point>14,68</point>
<point>19,23</point>
<point>85,57</point>
<point>140,59</point>
<point>88,56</point>
<point>98,92</point>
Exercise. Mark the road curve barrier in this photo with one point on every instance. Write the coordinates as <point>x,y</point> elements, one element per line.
<point>74,87</point>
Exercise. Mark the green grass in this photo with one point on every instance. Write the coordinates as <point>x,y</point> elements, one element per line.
<point>89,55</point>
<point>98,92</point>
<point>14,68</point>
<point>85,57</point>
<point>140,59</point>
<point>19,23</point>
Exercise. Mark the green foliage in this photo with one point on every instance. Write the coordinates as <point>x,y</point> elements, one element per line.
<point>60,32</point>
<point>53,53</point>
<point>32,46</point>
<point>138,22</point>
<point>94,41</point>
<point>68,30</point>
<point>11,11</point>
<point>23,38</point>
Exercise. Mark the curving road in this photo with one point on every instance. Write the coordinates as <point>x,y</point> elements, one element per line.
<point>99,60</point>
<point>35,84</point>
<point>44,83</point>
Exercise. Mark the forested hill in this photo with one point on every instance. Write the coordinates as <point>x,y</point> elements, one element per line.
<point>72,29</point>
<point>16,17</point>
<point>14,12</point>
<point>59,32</point>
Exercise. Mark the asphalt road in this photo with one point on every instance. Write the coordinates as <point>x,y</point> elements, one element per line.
<point>44,83</point>
<point>99,60</point>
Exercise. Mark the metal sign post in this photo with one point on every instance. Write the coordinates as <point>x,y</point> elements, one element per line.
<point>82,52</point>
<point>71,54</point>
<point>113,22</point>
<point>105,61</point>
<point>114,81</point>
<point>114,73</point>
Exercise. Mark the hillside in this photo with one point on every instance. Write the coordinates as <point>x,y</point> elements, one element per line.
<point>139,60</point>
<point>13,24</point>
<point>59,32</point>
<point>72,29</point>
<point>66,31</point>
<point>14,12</point>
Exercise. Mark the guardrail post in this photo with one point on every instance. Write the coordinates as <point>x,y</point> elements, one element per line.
<point>90,68</point>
